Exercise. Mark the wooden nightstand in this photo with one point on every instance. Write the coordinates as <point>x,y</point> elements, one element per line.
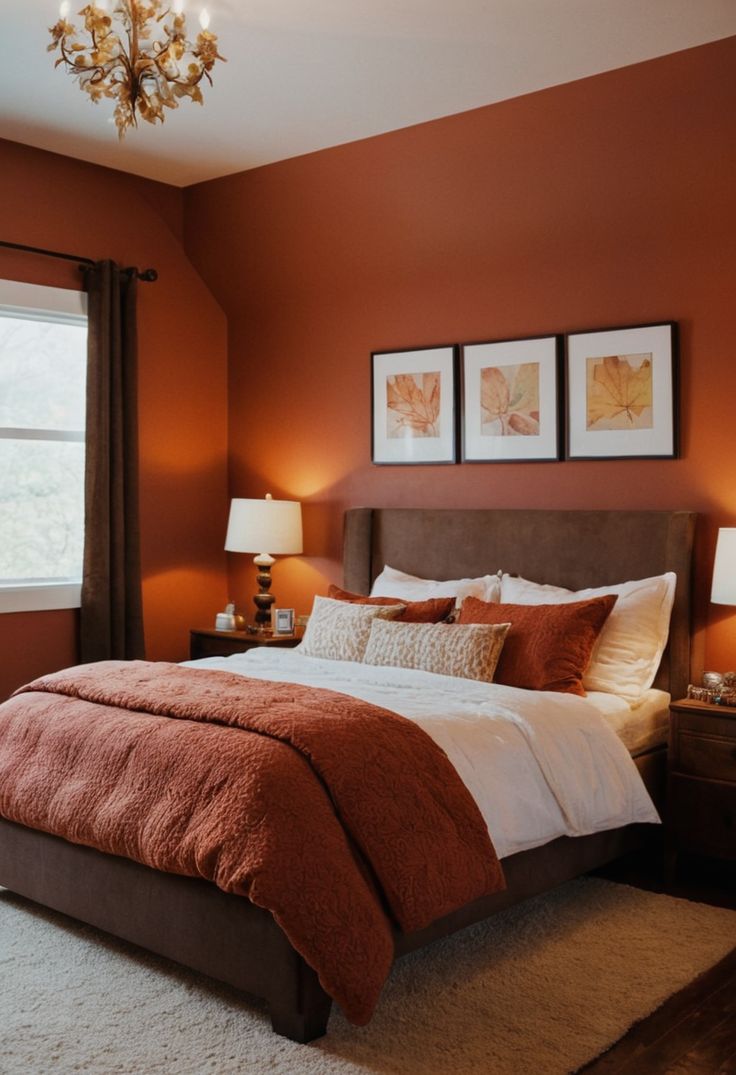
<point>206,642</point>
<point>701,792</point>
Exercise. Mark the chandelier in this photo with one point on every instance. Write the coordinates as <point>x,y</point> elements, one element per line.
<point>138,55</point>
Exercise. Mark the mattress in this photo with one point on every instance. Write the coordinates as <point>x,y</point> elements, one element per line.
<point>539,764</point>
<point>641,728</point>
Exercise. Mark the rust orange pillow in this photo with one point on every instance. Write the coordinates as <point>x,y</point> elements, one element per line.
<point>547,647</point>
<point>433,610</point>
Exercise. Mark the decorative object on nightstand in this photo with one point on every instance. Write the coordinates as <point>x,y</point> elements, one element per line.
<point>264,526</point>
<point>716,689</point>
<point>207,642</point>
<point>282,621</point>
<point>225,621</point>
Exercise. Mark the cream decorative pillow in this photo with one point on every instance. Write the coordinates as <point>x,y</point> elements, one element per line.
<point>626,656</point>
<point>469,651</point>
<point>393,583</point>
<point>338,631</point>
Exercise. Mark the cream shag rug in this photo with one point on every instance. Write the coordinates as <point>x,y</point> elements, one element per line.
<point>542,988</point>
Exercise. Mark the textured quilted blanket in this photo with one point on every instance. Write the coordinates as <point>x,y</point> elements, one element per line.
<point>276,792</point>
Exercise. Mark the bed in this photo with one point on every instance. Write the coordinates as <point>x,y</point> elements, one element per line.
<point>230,939</point>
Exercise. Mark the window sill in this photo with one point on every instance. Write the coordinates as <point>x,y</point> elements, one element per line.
<point>39,596</point>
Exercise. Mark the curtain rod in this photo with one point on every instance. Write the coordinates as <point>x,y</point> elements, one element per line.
<point>147,275</point>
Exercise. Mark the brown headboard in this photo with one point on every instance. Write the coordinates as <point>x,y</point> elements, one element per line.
<point>575,549</point>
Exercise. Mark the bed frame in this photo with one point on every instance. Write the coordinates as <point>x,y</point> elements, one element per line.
<point>228,938</point>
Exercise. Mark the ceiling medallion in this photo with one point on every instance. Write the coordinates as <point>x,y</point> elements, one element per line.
<point>138,55</point>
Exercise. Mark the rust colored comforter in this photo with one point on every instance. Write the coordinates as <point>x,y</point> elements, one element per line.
<point>276,792</point>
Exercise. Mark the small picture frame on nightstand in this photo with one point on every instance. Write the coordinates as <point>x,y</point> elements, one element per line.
<point>282,621</point>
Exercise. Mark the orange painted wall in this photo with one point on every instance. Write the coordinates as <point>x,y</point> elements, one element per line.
<point>55,202</point>
<point>608,201</point>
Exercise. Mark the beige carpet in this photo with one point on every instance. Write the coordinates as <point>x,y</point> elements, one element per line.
<point>542,988</point>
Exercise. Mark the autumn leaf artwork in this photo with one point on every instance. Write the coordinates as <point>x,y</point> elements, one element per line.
<point>413,404</point>
<point>619,392</point>
<point>509,400</point>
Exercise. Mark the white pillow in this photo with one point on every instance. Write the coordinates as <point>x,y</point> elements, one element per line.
<point>470,651</point>
<point>393,583</point>
<point>338,631</point>
<point>626,656</point>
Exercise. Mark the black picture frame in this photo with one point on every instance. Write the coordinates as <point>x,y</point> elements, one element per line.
<point>414,419</point>
<point>493,429</point>
<point>622,392</point>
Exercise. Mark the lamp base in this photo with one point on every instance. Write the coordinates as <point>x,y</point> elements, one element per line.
<point>263,599</point>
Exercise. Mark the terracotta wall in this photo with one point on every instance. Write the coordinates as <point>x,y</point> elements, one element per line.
<point>55,202</point>
<point>608,201</point>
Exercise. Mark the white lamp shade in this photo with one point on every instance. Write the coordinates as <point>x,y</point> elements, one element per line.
<point>724,568</point>
<point>269,526</point>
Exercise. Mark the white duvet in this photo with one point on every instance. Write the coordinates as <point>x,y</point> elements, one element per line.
<point>539,764</point>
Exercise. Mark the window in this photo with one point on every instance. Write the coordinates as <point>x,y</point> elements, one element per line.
<point>43,360</point>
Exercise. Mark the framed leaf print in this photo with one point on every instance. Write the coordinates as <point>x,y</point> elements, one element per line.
<point>413,401</point>
<point>510,400</point>
<point>622,393</point>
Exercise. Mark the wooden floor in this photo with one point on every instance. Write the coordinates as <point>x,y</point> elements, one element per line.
<point>694,1032</point>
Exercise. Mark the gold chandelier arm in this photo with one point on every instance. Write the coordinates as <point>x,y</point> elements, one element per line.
<point>132,36</point>
<point>93,73</point>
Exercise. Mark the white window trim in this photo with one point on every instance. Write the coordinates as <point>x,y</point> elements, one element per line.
<point>13,433</point>
<point>53,304</point>
<point>40,596</point>
<point>24,299</point>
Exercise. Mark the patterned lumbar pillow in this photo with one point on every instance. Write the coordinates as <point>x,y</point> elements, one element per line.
<point>339,631</point>
<point>469,652</point>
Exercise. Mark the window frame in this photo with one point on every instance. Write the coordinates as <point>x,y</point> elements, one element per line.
<point>38,302</point>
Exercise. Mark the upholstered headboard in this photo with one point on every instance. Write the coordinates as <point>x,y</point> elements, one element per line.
<point>575,549</point>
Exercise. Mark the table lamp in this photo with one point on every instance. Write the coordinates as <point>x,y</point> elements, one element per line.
<point>723,590</point>
<point>260,525</point>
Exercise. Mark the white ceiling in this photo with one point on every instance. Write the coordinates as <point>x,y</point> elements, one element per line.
<point>303,76</point>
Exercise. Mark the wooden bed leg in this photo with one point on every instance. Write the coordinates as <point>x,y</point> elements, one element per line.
<point>307,1019</point>
<point>301,1027</point>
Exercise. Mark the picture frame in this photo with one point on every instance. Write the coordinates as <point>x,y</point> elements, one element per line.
<point>282,621</point>
<point>622,399</point>
<point>413,405</point>
<point>511,400</point>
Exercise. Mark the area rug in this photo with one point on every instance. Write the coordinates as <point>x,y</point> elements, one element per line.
<point>544,987</point>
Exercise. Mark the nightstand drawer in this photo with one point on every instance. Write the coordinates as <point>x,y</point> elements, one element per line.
<point>203,645</point>
<point>206,642</point>
<point>702,815</point>
<point>706,756</point>
<point>711,721</point>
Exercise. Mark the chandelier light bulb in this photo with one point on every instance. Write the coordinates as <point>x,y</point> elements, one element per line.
<point>64,8</point>
<point>177,7</point>
<point>204,18</point>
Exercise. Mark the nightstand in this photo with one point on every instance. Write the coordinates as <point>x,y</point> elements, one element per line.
<point>701,791</point>
<point>207,642</point>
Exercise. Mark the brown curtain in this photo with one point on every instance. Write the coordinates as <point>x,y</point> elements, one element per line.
<point>111,613</point>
